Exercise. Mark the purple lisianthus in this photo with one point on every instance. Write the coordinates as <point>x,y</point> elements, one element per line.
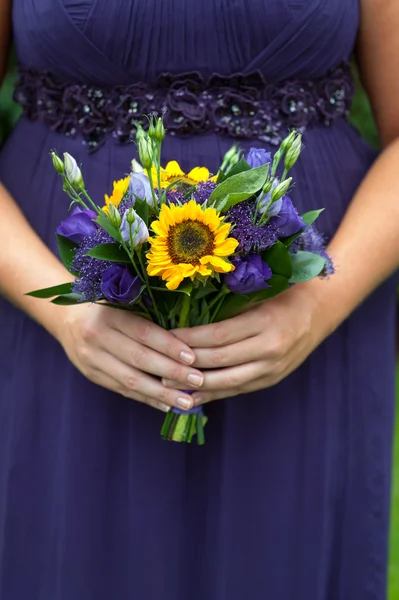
<point>257,157</point>
<point>139,187</point>
<point>312,240</point>
<point>119,285</point>
<point>287,222</point>
<point>79,225</point>
<point>250,275</point>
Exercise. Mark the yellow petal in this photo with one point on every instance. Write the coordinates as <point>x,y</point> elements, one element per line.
<point>226,248</point>
<point>173,169</point>
<point>219,264</point>
<point>198,174</point>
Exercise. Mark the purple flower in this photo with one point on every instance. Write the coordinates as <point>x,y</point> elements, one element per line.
<point>287,222</point>
<point>139,187</point>
<point>252,237</point>
<point>257,157</point>
<point>203,190</point>
<point>78,226</point>
<point>250,275</point>
<point>312,241</point>
<point>90,270</point>
<point>119,285</point>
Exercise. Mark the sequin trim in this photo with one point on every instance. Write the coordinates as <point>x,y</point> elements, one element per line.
<point>239,106</point>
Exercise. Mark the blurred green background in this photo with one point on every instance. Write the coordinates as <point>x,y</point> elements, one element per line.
<point>361,117</point>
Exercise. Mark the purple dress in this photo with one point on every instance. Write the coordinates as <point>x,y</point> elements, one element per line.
<point>289,498</point>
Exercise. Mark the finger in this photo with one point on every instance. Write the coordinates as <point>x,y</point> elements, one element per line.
<point>234,354</point>
<point>151,335</point>
<point>219,334</point>
<point>108,382</point>
<point>145,359</point>
<point>260,383</point>
<point>232,378</point>
<point>137,382</point>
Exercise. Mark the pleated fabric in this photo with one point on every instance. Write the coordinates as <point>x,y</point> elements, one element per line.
<point>289,498</point>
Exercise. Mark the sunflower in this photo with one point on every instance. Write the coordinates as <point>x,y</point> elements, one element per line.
<point>120,189</point>
<point>172,172</point>
<point>189,240</point>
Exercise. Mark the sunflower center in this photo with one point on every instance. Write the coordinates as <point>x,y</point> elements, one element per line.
<point>189,241</point>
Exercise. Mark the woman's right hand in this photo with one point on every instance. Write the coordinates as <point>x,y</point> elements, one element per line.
<point>122,352</point>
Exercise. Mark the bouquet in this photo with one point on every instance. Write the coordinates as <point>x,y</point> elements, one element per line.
<point>187,249</point>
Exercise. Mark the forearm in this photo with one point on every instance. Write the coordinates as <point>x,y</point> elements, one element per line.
<point>365,249</point>
<point>26,264</point>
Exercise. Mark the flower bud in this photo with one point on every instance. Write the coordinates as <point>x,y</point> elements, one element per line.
<point>133,229</point>
<point>57,163</point>
<point>73,173</point>
<point>136,166</point>
<point>139,132</point>
<point>151,130</point>
<point>160,130</point>
<point>288,141</point>
<point>145,152</point>
<point>293,152</point>
<point>281,189</point>
<point>131,216</point>
<point>114,215</point>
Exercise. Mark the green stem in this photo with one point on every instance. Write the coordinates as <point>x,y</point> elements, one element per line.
<point>158,315</point>
<point>154,196</point>
<point>160,193</point>
<point>215,312</point>
<point>184,312</point>
<point>216,299</point>
<point>94,206</point>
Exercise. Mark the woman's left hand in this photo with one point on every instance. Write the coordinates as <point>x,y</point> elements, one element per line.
<point>256,349</point>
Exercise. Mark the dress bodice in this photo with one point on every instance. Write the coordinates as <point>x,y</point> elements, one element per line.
<point>118,42</point>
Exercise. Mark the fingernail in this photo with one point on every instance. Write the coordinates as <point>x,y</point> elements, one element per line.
<point>195,380</point>
<point>197,400</point>
<point>164,407</point>
<point>186,357</point>
<point>184,403</point>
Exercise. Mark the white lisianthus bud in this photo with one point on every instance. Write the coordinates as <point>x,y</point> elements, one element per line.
<point>136,166</point>
<point>133,229</point>
<point>73,173</point>
<point>293,152</point>
<point>160,130</point>
<point>57,163</point>
<point>288,141</point>
<point>145,152</point>
<point>281,189</point>
<point>114,215</point>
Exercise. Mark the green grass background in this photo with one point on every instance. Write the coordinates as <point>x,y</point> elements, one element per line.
<point>361,117</point>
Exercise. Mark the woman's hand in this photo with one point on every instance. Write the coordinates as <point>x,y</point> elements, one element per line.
<point>119,350</point>
<point>258,348</point>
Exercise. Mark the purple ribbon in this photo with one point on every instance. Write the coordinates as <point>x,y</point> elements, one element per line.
<point>197,410</point>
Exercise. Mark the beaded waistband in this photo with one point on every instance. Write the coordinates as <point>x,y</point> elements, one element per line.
<point>240,106</point>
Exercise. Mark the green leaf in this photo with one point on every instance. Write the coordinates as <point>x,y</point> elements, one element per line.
<point>239,167</point>
<point>50,292</point>
<point>279,259</point>
<point>205,290</point>
<point>305,266</point>
<point>66,250</point>
<point>237,188</point>
<point>109,251</point>
<point>68,300</point>
<point>141,208</point>
<point>185,288</point>
<point>309,218</point>
<point>105,223</point>
<point>220,177</point>
<point>235,304</point>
